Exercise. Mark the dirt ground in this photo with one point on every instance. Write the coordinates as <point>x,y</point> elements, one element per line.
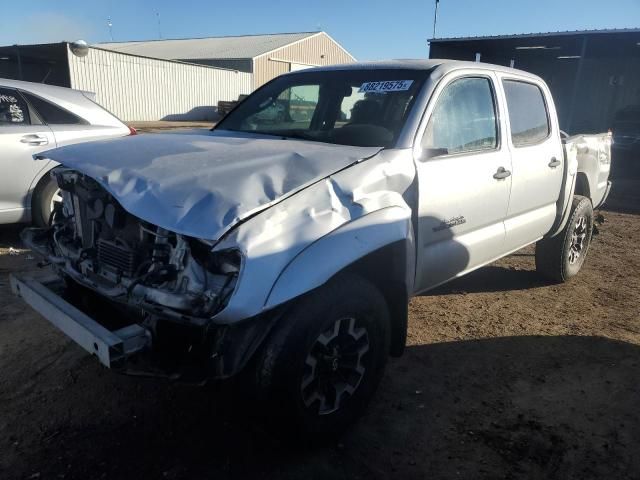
<point>505,376</point>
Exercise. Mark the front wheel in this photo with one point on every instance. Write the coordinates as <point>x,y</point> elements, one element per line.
<point>561,257</point>
<point>45,196</point>
<point>323,362</point>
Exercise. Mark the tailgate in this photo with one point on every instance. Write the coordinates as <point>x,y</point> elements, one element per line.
<point>111,347</point>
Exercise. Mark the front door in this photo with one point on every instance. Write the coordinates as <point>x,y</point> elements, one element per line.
<point>464,181</point>
<point>21,136</point>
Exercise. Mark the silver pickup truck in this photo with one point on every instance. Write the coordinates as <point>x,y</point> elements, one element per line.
<point>286,243</point>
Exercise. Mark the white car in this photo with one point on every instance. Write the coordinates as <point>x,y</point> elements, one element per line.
<point>33,118</point>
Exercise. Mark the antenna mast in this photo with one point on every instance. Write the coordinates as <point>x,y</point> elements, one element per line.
<point>159,27</point>
<point>435,19</point>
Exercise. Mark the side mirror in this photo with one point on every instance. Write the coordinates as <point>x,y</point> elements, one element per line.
<point>429,153</point>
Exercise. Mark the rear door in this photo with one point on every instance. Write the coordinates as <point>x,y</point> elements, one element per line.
<point>537,158</point>
<point>22,134</point>
<point>67,127</point>
<point>464,180</point>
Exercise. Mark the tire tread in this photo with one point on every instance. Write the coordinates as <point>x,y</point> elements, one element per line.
<point>550,252</point>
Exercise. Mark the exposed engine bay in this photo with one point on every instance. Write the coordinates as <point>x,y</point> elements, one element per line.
<point>93,241</point>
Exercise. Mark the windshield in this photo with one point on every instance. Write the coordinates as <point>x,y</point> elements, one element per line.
<point>364,108</point>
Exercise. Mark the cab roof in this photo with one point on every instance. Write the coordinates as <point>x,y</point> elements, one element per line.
<point>442,65</point>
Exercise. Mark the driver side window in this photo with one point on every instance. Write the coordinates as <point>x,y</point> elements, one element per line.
<point>292,109</point>
<point>464,119</point>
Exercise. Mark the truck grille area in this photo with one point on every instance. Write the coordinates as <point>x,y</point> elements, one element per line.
<point>99,245</point>
<point>122,259</point>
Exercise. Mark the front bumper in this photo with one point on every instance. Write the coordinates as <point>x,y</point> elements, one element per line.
<point>112,348</point>
<point>186,353</point>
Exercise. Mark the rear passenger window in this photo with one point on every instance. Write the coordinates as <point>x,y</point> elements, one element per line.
<point>463,120</point>
<point>52,114</point>
<point>13,108</point>
<point>527,113</point>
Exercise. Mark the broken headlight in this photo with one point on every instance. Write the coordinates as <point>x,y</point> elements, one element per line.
<point>221,262</point>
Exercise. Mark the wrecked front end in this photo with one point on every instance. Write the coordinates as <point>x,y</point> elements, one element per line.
<point>151,293</point>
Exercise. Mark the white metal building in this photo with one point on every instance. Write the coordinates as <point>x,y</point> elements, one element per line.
<point>181,79</point>
<point>140,88</point>
<point>265,56</point>
<point>133,87</point>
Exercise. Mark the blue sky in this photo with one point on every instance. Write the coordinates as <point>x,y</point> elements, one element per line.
<point>368,29</point>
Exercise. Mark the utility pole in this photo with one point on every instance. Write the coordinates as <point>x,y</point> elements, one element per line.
<point>435,19</point>
<point>110,25</point>
<point>159,28</point>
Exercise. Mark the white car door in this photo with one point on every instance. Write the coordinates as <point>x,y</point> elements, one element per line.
<point>464,180</point>
<point>537,157</point>
<point>22,135</point>
<point>69,128</point>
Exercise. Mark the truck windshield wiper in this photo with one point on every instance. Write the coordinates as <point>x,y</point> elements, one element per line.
<point>281,134</point>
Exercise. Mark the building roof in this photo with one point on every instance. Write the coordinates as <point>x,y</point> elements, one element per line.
<point>245,46</point>
<point>536,35</point>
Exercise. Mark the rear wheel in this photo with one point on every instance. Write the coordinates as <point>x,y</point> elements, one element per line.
<point>45,196</point>
<point>561,257</point>
<point>321,365</point>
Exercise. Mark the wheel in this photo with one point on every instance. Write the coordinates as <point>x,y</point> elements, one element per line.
<point>45,196</point>
<point>322,364</point>
<point>561,257</point>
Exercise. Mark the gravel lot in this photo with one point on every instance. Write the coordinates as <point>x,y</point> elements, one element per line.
<point>505,376</point>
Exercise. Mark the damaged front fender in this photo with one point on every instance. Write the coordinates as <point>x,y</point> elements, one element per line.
<point>336,251</point>
<point>304,240</point>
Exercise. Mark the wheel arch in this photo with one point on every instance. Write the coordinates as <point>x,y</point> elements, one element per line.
<point>39,180</point>
<point>378,247</point>
<point>383,269</point>
<point>582,185</point>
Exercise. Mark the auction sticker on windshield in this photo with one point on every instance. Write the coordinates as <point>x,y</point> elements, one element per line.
<point>387,86</point>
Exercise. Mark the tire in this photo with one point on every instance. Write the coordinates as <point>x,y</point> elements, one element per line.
<point>42,201</point>
<point>561,257</point>
<point>335,339</point>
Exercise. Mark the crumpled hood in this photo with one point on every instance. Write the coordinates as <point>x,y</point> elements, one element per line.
<point>202,185</point>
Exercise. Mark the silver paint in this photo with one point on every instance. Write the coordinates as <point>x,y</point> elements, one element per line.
<point>19,172</point>
<point>202,185</point>
<point>300,211</point>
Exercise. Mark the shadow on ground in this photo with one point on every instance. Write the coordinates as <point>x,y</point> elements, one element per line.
<point>10,235</point>
<point>518,407</point>
<point>492,278</point>
<point>208,113</point>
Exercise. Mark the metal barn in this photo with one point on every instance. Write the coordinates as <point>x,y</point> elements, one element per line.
<point>264,56</point>
<point>133,87</point>
<point>139,88</point>
<point>593,75</point>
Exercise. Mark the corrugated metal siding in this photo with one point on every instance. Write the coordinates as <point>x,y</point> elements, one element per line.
<point>146,89</point>
<point>308,51</point>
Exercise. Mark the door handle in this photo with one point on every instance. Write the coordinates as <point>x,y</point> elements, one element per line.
<point>554,162</point>
<point>501,174</point>
<point>34,140</point>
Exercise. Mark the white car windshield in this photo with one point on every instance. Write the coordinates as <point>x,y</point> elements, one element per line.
<point>366,108</point>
